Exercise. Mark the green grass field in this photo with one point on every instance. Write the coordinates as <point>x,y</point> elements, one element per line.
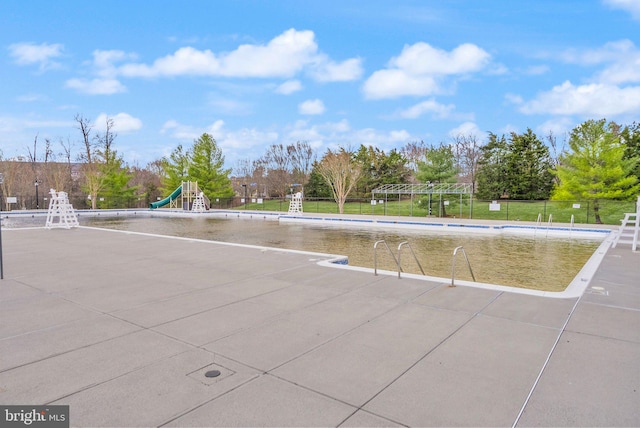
<point>611,212</point>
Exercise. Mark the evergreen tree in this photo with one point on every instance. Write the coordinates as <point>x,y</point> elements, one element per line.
<point>517,168</point>
<point>317,186</point>
<point>529,167</point>
<point>115,190</point>
<point>630,137</point>
<point>438,167</point>
<point>175,169</point>
<point>207,168</point>
<point>493,182</point>
<point>595,168</point>
<point>378,168</point>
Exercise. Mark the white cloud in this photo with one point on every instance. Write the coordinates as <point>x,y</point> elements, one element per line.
<point>301,131</point>
<point>384,140</point>
<point>12,124</point>
<point>330,71</point>
<point>607,92</point>
<point>231,140</point>
<point>336,127</point>
<point>284,56</point>
<point>497,69</point>
<point>103,61</point>
<point>621,59</point>
<point>103,67</point>
<point>507,129</point>
<point>467,129</point>
<point>229,106</point>
<point>341,134</point>
<point>97,86</point>
<point>179,131</point>
<point>609,52</point>
<point>250,143</point>
<point>311,107</point>
<point>631,6</point>
<point>289,87</point>
<point>397,83</point>
<point>625,67</point>
<point>422,58</point>
<point>419,69</point>
<point>28,98</point>
<point>599,100</point>
<point>246,138</point>
<point>122,122</point>
<point>536,70</point>
<point>31,53</point>
<point>559,126</point>
<point>439,111</point>
<point>513,98</point>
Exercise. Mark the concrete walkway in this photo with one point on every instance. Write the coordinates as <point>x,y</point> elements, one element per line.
<point>122,327</point>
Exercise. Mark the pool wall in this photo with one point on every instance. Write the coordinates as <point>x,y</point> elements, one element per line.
<point>483,227</point>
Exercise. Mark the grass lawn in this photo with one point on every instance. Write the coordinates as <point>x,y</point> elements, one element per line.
<point>611,212</point>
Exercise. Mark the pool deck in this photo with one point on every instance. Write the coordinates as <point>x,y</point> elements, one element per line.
<point>122,327</point>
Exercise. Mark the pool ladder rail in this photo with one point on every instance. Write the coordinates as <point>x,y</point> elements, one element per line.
<point>398,260</point>
<point>453,265</point>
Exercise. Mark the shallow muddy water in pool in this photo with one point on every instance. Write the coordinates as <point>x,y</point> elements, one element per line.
<point>541,263</point>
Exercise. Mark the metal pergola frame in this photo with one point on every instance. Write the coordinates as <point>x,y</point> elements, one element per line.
<point>426,189</point>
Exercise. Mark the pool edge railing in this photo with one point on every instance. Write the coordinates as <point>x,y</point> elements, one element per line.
<point>453,265</point>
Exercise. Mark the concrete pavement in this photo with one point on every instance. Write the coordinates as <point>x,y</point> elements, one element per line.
<point>122,327</point>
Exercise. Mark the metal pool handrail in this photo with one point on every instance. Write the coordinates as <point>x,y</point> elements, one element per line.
<point>412,252</point>
<point>375,256</point>
<point>453,265</point>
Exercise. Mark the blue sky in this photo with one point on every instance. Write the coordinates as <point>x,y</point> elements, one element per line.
<point>256,73</point>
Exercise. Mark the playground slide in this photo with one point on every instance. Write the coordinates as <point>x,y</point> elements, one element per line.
<point>166,200</point>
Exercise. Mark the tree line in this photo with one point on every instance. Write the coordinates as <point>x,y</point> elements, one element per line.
<point>599,160</point>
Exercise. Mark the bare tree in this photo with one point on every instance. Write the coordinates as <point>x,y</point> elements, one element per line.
<point>56,174</point>
<point>466,149</point>
<point>243,168</point>
<point>259,176</point>
<point>93,176</point>
<point>302,159</point>
<point>16,181</point>
<point>414,152</point>
<point>148,182</point>
<point>555,151</point>
<point>35,168</point>
<point>155,167</point>
<point>341,174</point>
<point>277,165</point>
<point>105,142</point>
<point>250,173</point>
<point>9,171</point>
<point>72,179</point>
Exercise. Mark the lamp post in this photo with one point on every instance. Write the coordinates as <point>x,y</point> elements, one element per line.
<point>245,196</point>
<point>37,201</point>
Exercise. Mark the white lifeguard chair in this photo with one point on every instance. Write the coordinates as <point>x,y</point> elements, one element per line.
<point>61,213</point>
<point>295,206</point>
<point>629,231</point>
<point>199,204</point>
